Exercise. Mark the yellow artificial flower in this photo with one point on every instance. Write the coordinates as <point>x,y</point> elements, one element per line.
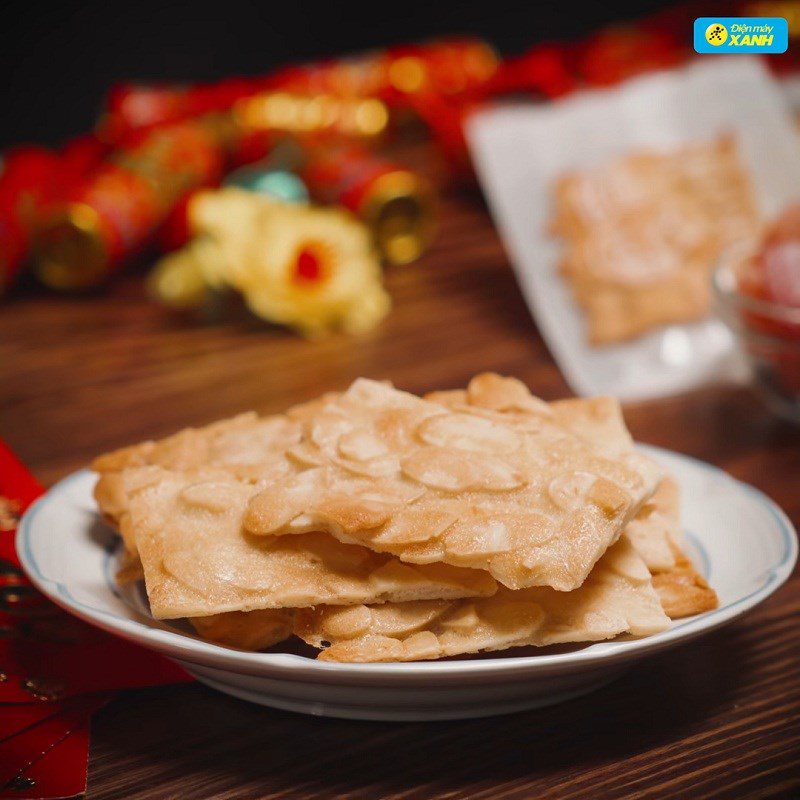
<point>181,279</point>
<point>227,222</point>
<point>311,268</point>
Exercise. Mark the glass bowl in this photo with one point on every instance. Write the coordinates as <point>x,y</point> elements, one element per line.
<point>769,335</point>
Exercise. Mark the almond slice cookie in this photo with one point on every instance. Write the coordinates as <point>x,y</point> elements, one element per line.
<point>246,630</point>
<point>655,531</point>
<point>656,534</point>
<point>516,494</point>
<point>198,561</point>
<point>643,232</point>
<point>246,446</point>
<point>617,597</point>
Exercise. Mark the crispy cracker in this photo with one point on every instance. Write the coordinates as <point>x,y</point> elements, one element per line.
<point>655,531</point>
<point>656,535</point>
<point>519,496</point>
<point>131,570</point>
<point>197,560</point>
<point>247,446</point>
<point>236,443</point>
<point>598,420</point>
<point>643,233</point>
<point>680,589</point>
<point>616,314</point>
<point>247,630</point>
<point>616,598</point>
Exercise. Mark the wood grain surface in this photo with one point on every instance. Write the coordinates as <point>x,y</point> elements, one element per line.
<point>718,717</point>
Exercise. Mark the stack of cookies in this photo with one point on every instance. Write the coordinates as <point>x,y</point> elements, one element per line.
<point>643,233</point>
<point>380,526</point>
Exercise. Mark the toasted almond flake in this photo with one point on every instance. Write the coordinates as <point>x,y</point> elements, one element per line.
<point>462,619</point>
<point>347,622</point>
<point>277,505</point>
<point>403,619</point>
<point>392,573</point>
<point>439,468</point>
<point>380,467</point>
<point>474,538</point>
<point>419,523</point>
<point>631,566</point>
<point>612,499</point>
<point>353,514</point>
<point>421,646</point>
<point>210,496</point>
<point>328,429</point>
<point>306,454</point>
<point>508,612</point>
<point>255,630</point>
<point>367,648</point>
<point>361,445</point>
<point>504,394</point>
<point>468,432</point>
<point>570,489</point>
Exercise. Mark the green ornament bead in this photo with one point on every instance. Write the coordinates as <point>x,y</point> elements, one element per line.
<point>279,184</point>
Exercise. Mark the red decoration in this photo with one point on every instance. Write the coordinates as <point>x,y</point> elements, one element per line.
<point>618,53</point>
<point>116,211</point>
<point>45,748</point>
<point>441,81</point>
<point>80,156</point>
<point>134,107</point>
<point>344,175</point>
<point>542,71</point>
<point>308,267</point>
<point>55,670</point>
<point>29,182</point>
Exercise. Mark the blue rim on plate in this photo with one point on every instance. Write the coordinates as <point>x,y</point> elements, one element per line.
<point>285,665</point>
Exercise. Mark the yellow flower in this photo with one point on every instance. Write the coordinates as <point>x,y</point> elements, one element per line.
<point>311,268</point>
<point>178,280</point>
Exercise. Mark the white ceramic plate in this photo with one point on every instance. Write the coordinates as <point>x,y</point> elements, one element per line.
<point>740,539</point>
<point>518,151</point>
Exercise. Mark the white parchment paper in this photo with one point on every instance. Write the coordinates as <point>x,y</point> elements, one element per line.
<point>519,150</point>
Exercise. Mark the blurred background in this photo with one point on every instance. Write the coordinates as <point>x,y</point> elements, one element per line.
<point>60,61</point>
<point>294,184</point>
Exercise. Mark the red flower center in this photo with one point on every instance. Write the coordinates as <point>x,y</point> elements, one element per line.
<point>309,268</point>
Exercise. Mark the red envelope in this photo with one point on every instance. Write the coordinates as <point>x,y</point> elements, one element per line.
<point>45,653</point>
<point>55,670</point>
<point>47,757</point>
<point>59,773</point>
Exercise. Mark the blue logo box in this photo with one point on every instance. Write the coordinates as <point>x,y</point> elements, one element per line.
<point>731,35</point>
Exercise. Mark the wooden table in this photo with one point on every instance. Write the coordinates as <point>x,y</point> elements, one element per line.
<point>718,717</point>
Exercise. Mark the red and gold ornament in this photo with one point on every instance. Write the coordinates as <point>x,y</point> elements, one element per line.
<point>397,204</point>
<point>116,211</point>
